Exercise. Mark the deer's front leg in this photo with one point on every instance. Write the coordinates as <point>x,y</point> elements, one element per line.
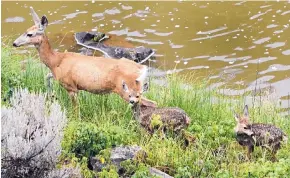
<point>73,96</point>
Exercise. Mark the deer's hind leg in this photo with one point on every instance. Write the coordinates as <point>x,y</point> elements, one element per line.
<point>49,85</point>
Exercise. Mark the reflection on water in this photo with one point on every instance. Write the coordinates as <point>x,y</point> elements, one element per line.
<point>240,45</point>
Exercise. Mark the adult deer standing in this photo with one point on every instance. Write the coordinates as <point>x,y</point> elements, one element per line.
<point>78,72</point>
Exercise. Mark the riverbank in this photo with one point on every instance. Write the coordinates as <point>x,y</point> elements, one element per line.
<point>106,121</point>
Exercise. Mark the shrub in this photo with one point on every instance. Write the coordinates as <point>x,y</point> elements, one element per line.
<point>10,75</point>
<point>109,172</point>
<point>84,139</point>
<point>136,169</point>
<point>31,135</point>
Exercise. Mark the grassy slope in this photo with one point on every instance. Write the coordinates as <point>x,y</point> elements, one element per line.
<point>212,123</point>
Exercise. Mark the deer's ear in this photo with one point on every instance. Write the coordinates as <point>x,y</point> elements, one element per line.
<point>43,23</point>
<point>34,16</point>
<point>145,87</point>
<point>124,86</point>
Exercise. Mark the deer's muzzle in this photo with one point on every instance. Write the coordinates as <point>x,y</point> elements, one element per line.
<point>15,45</point>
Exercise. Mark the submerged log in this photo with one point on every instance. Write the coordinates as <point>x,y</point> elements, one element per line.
<point>96,41</point>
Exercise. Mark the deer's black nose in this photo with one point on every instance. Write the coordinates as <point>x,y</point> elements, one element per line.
<point>14,44</point>
<point>132,102</point>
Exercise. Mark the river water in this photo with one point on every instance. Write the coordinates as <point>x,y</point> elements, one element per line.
<point>239,46</point>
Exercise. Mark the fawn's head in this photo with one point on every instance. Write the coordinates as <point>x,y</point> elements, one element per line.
<point>33,35</point>
<point>133,96</point>
<point>243,122</point>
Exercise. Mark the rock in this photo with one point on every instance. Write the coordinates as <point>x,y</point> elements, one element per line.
<point>124,153</point>
<point>156,172</point>
<point>118,154</point>
<point>86,51</point>
<point>96,164</point>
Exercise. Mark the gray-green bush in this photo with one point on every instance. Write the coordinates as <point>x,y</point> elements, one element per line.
<point>31,135</point>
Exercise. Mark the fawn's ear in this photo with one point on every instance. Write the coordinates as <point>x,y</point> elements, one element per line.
<point>246,111</point>
<point>236,116</point>
<point>124,86</point>
<point>147,102</point>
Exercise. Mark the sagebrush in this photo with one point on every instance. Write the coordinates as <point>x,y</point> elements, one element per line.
<point>31,135</point>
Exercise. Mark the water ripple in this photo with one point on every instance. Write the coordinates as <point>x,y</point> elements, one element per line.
<point>217,35</point>
<point>14,19</point>
<point>254,61</point>
<point>149,30</point>
<point>275,67</point>
<point>174,45</point>
<point>262,7</point>
<point>126,32</point>
<point>272,26</point>
<point>211,31</point>
<point>163,34</point>
<point>145,41</point>
<point>275,45</point>
<point>201,57</point>
<point>112,11</point>
<point>98,15</point>
<point>260,14</point>
<point>126,7</point>
<point>262,40</point>
<point>286,52</point>
<point>73,15</point>
<point>286,12</point>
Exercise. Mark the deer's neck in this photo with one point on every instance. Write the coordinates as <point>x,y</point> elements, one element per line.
<point>47,55</point>
<point>137,112</point>
<point>141,111</point>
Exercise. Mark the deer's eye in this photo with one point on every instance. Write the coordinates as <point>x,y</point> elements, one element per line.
<point>29,35</point>
<point>129,96</point>
<point>137,96</point>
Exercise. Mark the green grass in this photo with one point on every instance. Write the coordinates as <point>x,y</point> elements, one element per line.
<point>106,121</point>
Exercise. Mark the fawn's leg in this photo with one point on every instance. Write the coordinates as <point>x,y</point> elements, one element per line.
<point>250,150</point>
<point>162,132</point>
<point>274,151</point>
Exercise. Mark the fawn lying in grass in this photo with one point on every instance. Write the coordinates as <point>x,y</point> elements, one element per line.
<point>258,134</point>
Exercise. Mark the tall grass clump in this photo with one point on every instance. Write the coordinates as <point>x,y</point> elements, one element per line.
<point>106,121</point>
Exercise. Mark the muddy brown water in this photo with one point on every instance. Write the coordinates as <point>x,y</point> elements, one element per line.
<point>227,42</point>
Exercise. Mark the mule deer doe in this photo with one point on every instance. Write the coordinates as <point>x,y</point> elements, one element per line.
<point>76,72</point>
